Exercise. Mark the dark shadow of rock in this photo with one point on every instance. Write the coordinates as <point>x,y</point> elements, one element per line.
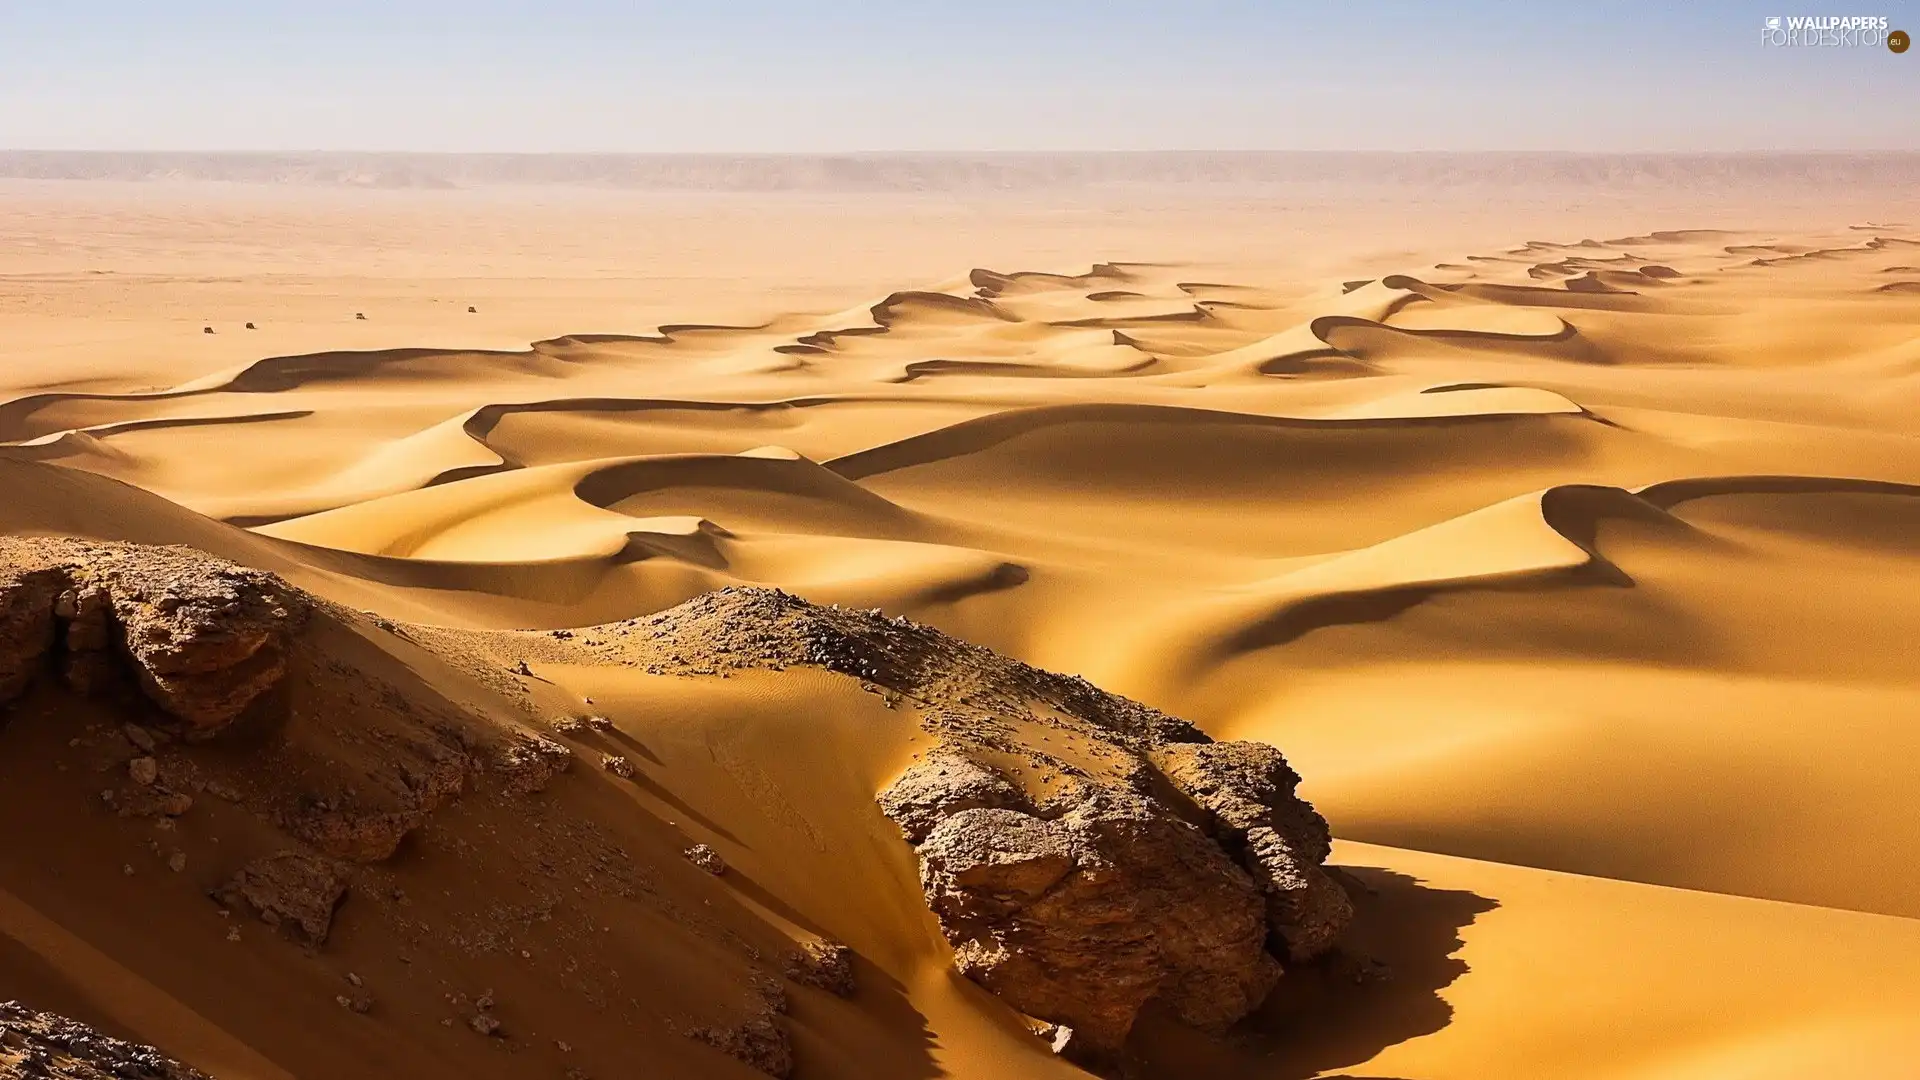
<point>1379,988</point>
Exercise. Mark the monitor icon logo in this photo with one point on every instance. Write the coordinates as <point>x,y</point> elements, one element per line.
<point>1773,22</point>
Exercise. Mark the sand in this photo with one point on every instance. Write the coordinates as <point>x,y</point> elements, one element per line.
<point>1567,544</point>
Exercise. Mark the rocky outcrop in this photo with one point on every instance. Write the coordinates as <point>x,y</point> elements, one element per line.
<point>290,889</point>
<point>940,785</point>
<point>1184,876</point>
<point>46,1046</point>
<point>528,762</point>
<point>202,638</point>
<point>357,836</point>
<point>1084,854</point>
<point>760,1043</point>
<point>27,598</point>
<point>823,965</point>
<point>1083,919</point>
<point>1247,793</point>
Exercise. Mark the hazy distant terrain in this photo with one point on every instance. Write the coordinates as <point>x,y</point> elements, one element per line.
<point>968,171</point>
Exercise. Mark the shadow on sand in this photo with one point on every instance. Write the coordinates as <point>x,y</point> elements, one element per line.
<point>1380,988</point>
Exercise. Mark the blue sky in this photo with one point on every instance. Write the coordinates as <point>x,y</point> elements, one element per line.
<point>577,75</point>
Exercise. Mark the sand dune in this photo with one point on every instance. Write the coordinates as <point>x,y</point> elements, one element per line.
<point>1574,575</point>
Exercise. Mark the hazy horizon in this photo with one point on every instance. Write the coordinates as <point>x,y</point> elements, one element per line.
<point>584,76</point>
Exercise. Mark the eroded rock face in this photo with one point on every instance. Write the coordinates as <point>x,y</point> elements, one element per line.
<point>1084,919</point>
<point>1083,900</point>
<point>46,1046</point>
<point>1247,790</point>
<point>202,638</point>
<point>940,785</point>
<point>27,597</point>
<point>290,888</point>
<point>528,762</point>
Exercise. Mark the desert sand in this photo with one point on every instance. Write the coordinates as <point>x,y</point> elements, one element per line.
<point>1565,539</point>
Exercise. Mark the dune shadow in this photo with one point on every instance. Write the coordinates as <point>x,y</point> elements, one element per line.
<point>1381,987</point>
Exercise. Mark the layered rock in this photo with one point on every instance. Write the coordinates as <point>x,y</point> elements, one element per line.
<point>1084,919</point>
<point>1247,791</point>
<point>202,638</point>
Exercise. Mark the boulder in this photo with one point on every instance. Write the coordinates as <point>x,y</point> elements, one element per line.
<point>289,888</point>
<point>1083,920</point>
<point>1246,792</point>
<point>529,762</point>
<point>943,784</point>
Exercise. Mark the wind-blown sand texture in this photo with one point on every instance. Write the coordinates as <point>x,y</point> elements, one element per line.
<point>1575,572</point>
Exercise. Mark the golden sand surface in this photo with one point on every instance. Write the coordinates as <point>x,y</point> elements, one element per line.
<point>1568,544</point>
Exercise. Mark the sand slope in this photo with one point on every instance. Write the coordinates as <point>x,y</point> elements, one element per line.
<point>1576,576</point>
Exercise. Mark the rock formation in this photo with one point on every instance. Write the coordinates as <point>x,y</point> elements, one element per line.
<point>45,1046</point>
<point>1084,854</point>
<point>201,638</point>
<point>290,889</point>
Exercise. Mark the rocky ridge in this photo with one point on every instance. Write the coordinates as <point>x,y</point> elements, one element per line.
<point>1084,854</point>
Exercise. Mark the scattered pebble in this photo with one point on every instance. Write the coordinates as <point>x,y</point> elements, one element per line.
<point>484,1024</point>
<point>143,770</point>
<point>177,862</point>
<point>706,859</point>
<point>617,765</point>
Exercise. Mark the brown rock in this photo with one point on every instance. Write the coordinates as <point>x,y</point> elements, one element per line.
<point>529,762</point>
<point>26,625</point>
<point>484,1024</point>
<point>943,784</point>
<point>706,859</point>
<point>289,888</point>
<point>143,771</point>
<point>617,765</point>
<point>760,1043</point>
<point>366,837</point>
<point>826,965</point>
<point>1081,921</point>
<point>1247,791</point>
<point>44,1045</point>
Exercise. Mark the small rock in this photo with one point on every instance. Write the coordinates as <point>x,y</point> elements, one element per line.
<point>355,979</point>
<point>176,803</point>
<point>233,933</point>
<point>140,737</point>
<point>127,869</point>
<point>827,965</point>
<point>599,723</point>
<point>484,1024</point>
<point>143,771</point>
<point>617,765</point>
<point>359,1003</point>
<point>177,862</point>
<point>706,859</point>
<point>289,887</point>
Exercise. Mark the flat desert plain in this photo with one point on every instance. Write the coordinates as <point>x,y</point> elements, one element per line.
<point>1565,537</point>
